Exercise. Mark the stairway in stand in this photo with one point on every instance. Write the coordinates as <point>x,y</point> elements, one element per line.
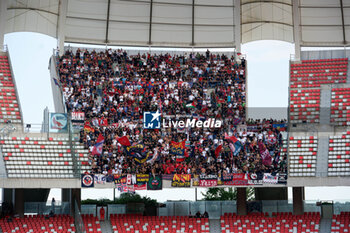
<point>214,225</point>
<point>325,225</point>
<point>106,226</point>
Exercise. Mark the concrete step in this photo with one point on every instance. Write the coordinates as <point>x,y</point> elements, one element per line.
<point>106,226</point>
<point>322,156</point>
<point>325,103</point>
<point>325,225</point>
<point>214,226</point>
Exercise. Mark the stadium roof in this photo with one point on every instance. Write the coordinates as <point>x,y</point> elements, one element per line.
<point>181,23</point>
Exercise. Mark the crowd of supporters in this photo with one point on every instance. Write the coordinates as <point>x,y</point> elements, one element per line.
<point>114,89</point>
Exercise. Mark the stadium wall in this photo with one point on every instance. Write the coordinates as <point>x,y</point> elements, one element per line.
<point>56,86</point>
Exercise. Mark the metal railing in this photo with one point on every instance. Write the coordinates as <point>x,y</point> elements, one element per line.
<point>45,208</point>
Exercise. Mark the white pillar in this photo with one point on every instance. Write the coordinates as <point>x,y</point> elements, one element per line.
<point>237,20</point>
<point>61,24</point>
<point>3,21</point>
<point>296,29</point>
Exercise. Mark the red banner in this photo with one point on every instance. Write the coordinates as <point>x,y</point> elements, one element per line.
<point>237,179</point>
<point>140,186</point>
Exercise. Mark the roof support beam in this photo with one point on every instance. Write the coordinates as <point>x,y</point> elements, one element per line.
<point>237,24</point>
<point>150,23</point>
<point>342,20</point>
<point>296,29</point>
<point>61,25</point>
<point>32,9</point>
<point>107,21</point>
<point>192,43</point>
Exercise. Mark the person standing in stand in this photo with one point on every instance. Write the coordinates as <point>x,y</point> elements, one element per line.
<point>53,202</point>
<point>102,214</point>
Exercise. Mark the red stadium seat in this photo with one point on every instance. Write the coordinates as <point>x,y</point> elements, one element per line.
<point>133,223</point>
<point>39,224</point>
<point>7,91</point>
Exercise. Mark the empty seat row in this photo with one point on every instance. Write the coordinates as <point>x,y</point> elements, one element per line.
<point>341,223</point>
<point>279,222</point>
<point>339,155</point>
<point>41,157</point>
<point>318,72</point>
<point>302,155</point>
<point>39,224</point>
<point>340,106</point>
<point>139,223</point>
<point>305,106</point>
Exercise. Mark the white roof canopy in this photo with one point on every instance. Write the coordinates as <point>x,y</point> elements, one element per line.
<point>182,23</point>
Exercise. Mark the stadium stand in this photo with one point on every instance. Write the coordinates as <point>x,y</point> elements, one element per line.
<point>341,223</point>
<point>10,110</point>
<point>340,106</point>
<point>305,106</point>
<point>38,157</point>
<point>339,155</point>
<point>302,155</point>
<point>92,224</point>
<point>113,89</point>
<point>38,224</point>
<point>134,223</point>
<point>278,222</point>
<point>314,73</point>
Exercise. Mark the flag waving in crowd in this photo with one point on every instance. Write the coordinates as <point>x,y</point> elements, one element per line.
<point>88,128</point>
<point>271,138</point>
<point>97,150</point>
<point>178,149</point>
<point>136,150</point>
<point>265,154</point>
<point>218,150</point>
<point>234,144</point>
<point>124,141</point>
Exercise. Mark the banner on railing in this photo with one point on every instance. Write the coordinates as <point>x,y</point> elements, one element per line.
<point>181,180</point>
<point>254,179</point>
<point>142,178</point>
<point>270,179</point>
<point>150,182</point>
<point>208,180</point>
<point>140,186</point>
<point>155,182</point>
<point>100,179</point>
<point>282,178</point>
<point>87,181</point>
<point>58,121</point>
<point>235,179</point>
<point>123,188</point>
<point>78,119</point>
<point>119,179</point>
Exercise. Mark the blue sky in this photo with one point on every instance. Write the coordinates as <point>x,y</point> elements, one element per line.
<point>268,67</point>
